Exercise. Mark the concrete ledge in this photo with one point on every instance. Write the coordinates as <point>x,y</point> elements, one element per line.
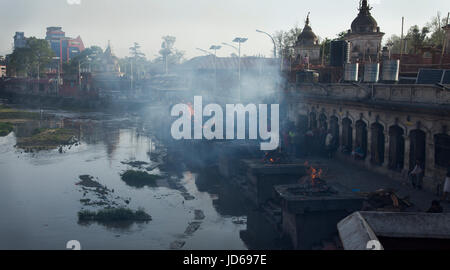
<point>360,227</point>
<point>355,233</point>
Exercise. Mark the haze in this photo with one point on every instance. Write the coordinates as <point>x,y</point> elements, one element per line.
<point>198,23</point>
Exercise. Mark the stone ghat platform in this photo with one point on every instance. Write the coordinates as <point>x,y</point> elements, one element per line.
<point>259,178</point>
<point>310,214</point>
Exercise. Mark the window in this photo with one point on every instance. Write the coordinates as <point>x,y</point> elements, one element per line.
<point>442,150</point>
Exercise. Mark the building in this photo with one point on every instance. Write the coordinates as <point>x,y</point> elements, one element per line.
<point>64,47</point>
<point>110,63</point>
<point>20,41</point>
<point>365,36</point>
<point>2,67</point>
<point>394,125</point>
<point>307,48</point>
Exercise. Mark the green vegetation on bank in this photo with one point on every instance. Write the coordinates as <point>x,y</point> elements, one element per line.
<point>47,138</point>
<point>14,114</point>
<point>114,214</point>
<point>139,178</point>
<point>5,128</point>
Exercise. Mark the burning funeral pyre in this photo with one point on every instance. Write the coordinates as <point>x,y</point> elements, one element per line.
<point>312,184</point>
<point>276,157</point>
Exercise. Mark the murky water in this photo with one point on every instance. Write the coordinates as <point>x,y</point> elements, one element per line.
<point>40,200</point>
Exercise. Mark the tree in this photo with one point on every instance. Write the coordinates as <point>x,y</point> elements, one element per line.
<point>437,36</point>
<point>285,41</point>
<point>325,47</point>
<point>31,59</point>
<point>169,54</point>
<point>417,38</point>
<point>394,44</point>
<point>136,62</point>
<point>92,56</point>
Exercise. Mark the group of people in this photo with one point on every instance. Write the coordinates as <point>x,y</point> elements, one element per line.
<point>416,176</point>
<point>320,141</point>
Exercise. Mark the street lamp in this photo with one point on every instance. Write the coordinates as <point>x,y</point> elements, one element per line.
<point>59,74</point>
<point>204,51</point>
<point>232,46</point>
<point>239,40</point>
<point>79,71</point>
<point>273,40</point>
<point>215,48</point>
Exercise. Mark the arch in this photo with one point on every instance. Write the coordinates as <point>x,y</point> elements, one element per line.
<point>347,135</point>
<point>396,148</point>
<point>312,124</point>
<point>417,148</point>
<point>442,150</point>
<point>361,136</point>
<point>334,127</point>
<point>377,144</point>
<point>323,122</point>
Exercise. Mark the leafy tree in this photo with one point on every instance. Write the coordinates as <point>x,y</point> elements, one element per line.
<point>34,57</point>
<point>91,56</point>
<point>417,38</point>
<point>437,36</point>
<point>325,47</point>
<point>285,41</point>
<point>136,62</point>
<point>394,44</point>
<point>169,55</point>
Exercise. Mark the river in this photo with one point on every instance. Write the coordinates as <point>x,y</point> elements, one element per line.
<point>40,200</point>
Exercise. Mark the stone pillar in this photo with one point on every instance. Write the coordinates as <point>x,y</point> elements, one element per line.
<point>407,153</point>
<point>429,155</point>
<point>353,136</point>
<point>386,149</point>
<point>369,145</point>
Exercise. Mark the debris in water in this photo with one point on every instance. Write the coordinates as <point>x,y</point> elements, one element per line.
<point>199,215</point>
<point>192,227</point>
<point>178,244</point>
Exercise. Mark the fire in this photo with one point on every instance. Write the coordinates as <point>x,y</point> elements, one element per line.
<point>315,174</point>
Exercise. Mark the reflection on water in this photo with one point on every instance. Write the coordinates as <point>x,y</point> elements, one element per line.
<point>40,200</point>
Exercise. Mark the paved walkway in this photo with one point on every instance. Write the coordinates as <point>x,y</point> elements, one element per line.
<point>358,178</point>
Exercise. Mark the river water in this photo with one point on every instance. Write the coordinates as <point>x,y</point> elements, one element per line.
<point>40,200</point>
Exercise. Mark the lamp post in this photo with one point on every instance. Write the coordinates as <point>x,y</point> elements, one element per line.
<point>273,40</point>
<point>59,74</point>
<point>239,40</point>
<point>215,48</point>
<point>79,71</point>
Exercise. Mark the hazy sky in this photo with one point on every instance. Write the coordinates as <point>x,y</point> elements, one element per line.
<point>198,23</point>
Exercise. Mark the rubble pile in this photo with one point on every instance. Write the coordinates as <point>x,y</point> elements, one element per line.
<point>385,200</point>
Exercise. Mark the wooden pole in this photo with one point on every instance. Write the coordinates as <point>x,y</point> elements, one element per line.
<point>444,43</point>
<point>401,39</point>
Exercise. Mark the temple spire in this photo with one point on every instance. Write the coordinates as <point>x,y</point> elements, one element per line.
<point>364,7</point>
<point>307,19</point>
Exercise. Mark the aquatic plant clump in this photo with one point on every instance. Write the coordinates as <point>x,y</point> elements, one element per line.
<point>5,128</point>
<point>48,138</point>
<point>139,178</point>
<point>114,214</point>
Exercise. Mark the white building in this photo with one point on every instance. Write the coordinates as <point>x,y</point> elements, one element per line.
<point>307,48</point>
<point>365,36</point>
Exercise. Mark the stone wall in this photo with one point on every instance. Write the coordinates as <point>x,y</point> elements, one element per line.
<point>403,119</point>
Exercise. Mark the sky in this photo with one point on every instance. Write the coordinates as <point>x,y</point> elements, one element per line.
<point>199,23</point>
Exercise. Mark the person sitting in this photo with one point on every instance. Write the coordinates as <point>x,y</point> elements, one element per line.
<point>358,153</point>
